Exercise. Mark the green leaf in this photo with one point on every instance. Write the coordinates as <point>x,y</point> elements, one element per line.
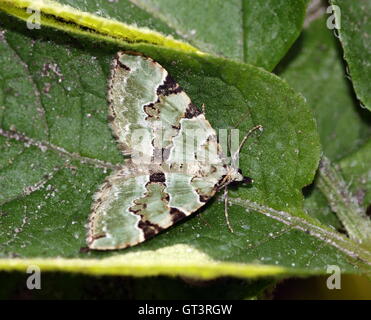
<point>317,206</point>
<point>204,24</point>
<point>314,68</point>
<point>56,149</point>
<point>347,187</point>
<point>354,34</point>
<point>314,65</point>
<point>347,207</point>
<point>66,18</point>
<point>229,28</point>
<point>356,170</point>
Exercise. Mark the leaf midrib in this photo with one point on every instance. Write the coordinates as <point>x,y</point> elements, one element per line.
<point>352,249</point>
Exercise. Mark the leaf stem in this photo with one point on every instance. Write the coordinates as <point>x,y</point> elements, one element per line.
<point>43,146</point>
<point>343,203</point>
<point>313,228</point>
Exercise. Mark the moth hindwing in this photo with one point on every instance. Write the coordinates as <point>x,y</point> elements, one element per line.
<point>175,166</point>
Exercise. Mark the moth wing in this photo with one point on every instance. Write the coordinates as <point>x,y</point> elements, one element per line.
<point>153,119</point>
<point>132,205</point>
<point>144,101</point>
<point>152,116</point>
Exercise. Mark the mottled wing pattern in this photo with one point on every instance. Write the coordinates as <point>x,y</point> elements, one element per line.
<point>180,163</point>
<point>131,207</point>
<point>138,89</point>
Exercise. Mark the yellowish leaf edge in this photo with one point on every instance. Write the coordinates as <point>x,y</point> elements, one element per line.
<point>76,21</point>
<point>175,260</point>
<point>119,267</point>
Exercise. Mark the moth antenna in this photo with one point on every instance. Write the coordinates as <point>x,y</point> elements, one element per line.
<point>226,209</point>
<point>248,134</point>
<point>203,109</point>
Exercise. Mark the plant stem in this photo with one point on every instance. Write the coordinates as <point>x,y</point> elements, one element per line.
<point>343,203</point>
<point>313,228</point>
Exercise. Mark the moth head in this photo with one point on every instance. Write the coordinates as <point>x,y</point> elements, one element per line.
<point>236,175</point>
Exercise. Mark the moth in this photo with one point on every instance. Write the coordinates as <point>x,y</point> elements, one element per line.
<point>173,162</point>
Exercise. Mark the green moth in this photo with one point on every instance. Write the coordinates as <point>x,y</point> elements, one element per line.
<point>175,162</point>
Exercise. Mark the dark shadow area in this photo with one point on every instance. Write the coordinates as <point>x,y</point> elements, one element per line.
<point>290,56</point>
<point>56,286</point>
<point>352,288</point>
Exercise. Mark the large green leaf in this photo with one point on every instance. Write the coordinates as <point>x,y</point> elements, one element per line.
<point>57,148</point>
<point>257,32</point>
<point>354,35</point>
<point>314,68</point>
<point>314,65</point>
<point>67,18</point>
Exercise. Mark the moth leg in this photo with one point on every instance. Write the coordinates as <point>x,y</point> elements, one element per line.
<point>226,208</point>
